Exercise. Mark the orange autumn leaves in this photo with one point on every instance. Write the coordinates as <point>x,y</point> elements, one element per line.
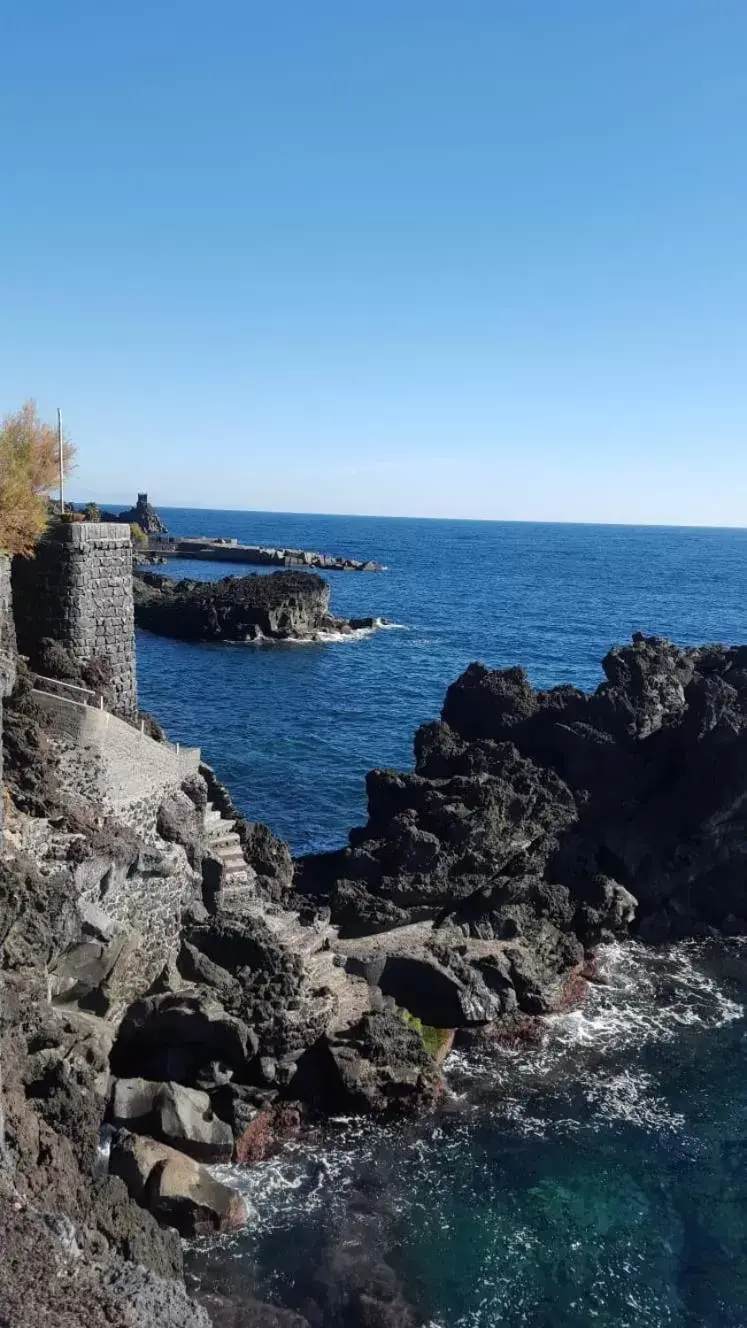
<point>29,470</point>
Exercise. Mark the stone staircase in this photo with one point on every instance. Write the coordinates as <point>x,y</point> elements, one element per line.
<point>336,996</point>
<point>223,841</point>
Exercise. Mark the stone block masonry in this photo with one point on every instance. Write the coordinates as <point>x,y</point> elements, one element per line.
<point>7,657</point>
<point>77,591</point>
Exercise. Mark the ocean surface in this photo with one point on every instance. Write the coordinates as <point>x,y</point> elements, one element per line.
<point>600,1178</point>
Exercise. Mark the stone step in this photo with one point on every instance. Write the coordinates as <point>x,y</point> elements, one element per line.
<point>222,836</point>
<point>321,967</point>
<point>221,826</point>
<point>233,866</point>
<point>303,941</point>
<point>236,890</point>
<point>230,853</point>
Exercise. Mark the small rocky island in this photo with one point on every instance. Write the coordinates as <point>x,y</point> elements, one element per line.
<point>284,606</point>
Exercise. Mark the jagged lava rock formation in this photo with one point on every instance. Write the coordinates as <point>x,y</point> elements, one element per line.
<point>143,514</point>
<point>538,823</point>
<point>279,607</point>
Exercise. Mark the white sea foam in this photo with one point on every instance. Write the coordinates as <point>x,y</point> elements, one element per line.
<point>329,638</point>
<point>645,997</point>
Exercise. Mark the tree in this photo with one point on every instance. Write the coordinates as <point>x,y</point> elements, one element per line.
<point>138,535</point>
<point>29,469</point>
<point>92,512</point>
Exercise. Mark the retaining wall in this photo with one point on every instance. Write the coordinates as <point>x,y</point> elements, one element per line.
<point>107,758</point>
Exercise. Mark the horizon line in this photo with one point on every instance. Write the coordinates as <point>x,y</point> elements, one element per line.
<point>384,516</point>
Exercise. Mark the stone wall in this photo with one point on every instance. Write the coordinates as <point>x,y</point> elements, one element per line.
<point>7,657</point>
<point>78,591</point>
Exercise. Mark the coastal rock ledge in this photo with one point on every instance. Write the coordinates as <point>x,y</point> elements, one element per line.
<point>284,606</point>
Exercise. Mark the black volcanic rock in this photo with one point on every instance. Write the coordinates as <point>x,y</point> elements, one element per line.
<point>280,607</point>
<point>550,820</point>
<point>143,515</point>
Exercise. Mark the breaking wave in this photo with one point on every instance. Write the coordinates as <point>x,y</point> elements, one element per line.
<point>328,638</point>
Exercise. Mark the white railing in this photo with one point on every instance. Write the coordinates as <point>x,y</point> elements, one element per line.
<point>96,702</point>
<point>58,687</point>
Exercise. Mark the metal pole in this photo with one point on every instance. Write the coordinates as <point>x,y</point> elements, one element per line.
<point>62,471</point>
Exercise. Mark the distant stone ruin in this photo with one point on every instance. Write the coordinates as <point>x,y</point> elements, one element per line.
<point>144,516</point>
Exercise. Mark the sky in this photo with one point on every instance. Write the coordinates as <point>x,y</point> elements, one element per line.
<point>460,258</point>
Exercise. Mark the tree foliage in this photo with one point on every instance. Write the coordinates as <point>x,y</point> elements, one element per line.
<point>92,512</point>
<point>138,535</point>
<point>29,469</point>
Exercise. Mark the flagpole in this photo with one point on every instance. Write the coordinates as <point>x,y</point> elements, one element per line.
<point>62,472</point>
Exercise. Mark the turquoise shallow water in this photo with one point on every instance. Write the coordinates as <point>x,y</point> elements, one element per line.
<point>600,1179</point>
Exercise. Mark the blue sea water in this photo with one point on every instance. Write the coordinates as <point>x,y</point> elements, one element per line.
<point>294,729</point>
<point>600,1179</point>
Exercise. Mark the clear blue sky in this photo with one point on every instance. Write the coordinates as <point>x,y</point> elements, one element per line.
<point>432,257</point>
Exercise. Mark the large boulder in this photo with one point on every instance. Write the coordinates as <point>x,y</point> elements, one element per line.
<point>174,1036</point>
<point>176,1189</point>
<point>380,1065</point>
<point>179,1116</point>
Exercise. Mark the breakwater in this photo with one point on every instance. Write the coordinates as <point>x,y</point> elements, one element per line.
<point>231,551</point>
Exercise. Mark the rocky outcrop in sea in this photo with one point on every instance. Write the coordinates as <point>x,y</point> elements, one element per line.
<point>284,606</point>
<point>536,824</point>
<point>143,514</point>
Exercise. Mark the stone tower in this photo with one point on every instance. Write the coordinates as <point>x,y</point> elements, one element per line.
<point>7,658</point>
<point>78,591</point>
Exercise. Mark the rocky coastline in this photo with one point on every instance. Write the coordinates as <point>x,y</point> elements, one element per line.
<point>171,976</point>
<point>284,606</point>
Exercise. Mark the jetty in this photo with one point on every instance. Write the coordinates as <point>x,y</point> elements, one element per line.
<point>231,551</point>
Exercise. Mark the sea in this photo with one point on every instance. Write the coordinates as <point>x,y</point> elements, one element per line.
<point>598,1178</point>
